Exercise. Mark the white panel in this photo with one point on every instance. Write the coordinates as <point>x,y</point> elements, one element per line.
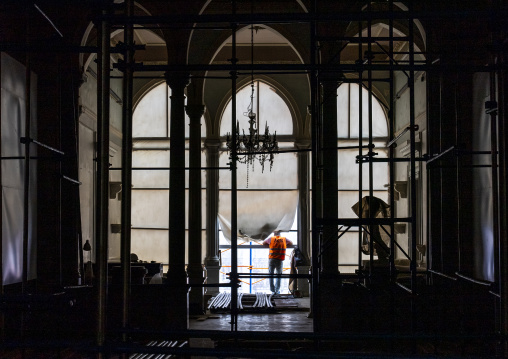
<point>348,170</point>
<point>348,248</point>
<point>379,124</point>
<point>343,111</point>
<point>282,176</point>
<point>150,245</point>
<point>150,115</point>
<point>150,178</point>
<point>150,208</point>
<point>273,111</point>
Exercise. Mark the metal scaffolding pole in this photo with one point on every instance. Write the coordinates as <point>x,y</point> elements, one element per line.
<point>369,59</point>
<point>234,199</point>
<point>127,166</point>
<point>102,195</point>
<point>26,184</point>
<point>360,154</point>
<point>412,139</point>
<point>391,149</point>
<point>316,178</point>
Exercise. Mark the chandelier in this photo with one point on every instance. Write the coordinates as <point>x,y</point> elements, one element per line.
<point>253,147</point>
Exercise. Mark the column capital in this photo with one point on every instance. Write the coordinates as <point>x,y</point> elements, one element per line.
<point>195,110</point>
<point>303,144</point>
<point>212,143</point>
<point>177,80</point>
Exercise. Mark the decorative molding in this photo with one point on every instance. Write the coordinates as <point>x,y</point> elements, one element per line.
<point>405,149</point>
<point>114,189</point>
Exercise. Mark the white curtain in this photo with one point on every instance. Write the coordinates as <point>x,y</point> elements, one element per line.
<point>259,213</point>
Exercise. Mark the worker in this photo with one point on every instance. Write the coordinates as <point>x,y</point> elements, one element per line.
<point>277,245</point>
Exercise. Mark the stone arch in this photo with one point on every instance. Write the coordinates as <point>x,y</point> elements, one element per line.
<point>296,116</point>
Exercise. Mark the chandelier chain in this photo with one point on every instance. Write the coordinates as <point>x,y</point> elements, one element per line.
<point>253,147</point>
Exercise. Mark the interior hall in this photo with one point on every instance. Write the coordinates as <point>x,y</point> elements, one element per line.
<point>253,179</point>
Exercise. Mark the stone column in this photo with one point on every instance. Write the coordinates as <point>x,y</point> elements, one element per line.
<point>176,275</point>
<point>195,265</point>
<point>303,212</point>
<point>329,284</point>
<point>212,264</point>
<point>329,258</point>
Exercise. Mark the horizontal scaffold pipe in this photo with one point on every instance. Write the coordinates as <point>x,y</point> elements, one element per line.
<point>439,155</point>
<point>474,280</point>
<point>24,140</point>
<point>409,128</point>
<point>341,68</point>
<point>266,275</point>
<point>361,221</point>
<point>295,18</point>
<point>44,47</point>
<point>170,168</point>
<point>385,159</point>
<point>71,180</point>
<point>432,271</point>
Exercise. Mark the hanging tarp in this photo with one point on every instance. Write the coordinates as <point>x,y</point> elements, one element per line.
<point>13,107</point>
<point>259,213</point>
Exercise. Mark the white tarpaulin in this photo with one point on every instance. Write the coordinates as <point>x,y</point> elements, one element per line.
<point>13,106</point>
<point>259,213</point>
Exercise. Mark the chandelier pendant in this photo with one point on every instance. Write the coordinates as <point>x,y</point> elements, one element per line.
<point>253,147</point>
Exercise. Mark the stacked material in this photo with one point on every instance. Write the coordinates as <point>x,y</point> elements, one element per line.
<point>162,344</point>
<point>223,301</point>
<point>263,300</point>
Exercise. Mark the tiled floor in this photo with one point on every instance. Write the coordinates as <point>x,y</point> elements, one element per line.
<point>286,320</point>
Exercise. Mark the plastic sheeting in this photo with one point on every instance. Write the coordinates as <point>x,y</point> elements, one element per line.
<point>151,115</point>
<point>259,213</point>
<point>483,224</point>
<point>348,114</point>
<point>13,127</point>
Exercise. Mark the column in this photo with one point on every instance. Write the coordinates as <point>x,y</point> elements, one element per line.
<point>195,265</point>
<point>329,257</point>
<point>176,275</point>
<point>303,212</point>
<point>329,281</point>
<point>212,264</point>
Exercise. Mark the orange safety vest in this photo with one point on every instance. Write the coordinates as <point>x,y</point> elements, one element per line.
<point>277,248</point>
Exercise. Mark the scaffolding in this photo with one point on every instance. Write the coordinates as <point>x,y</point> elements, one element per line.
<point>326,231</point>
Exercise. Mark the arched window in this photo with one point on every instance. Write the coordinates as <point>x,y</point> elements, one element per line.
<point>267,199</point>
<point>348,131</point>
<point>150,176</point>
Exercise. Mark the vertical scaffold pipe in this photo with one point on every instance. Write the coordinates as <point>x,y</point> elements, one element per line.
<point>102,195</point>
<point>26,184</point>
<point>502,93</point>
<point>412,140</point>
<point>234,244</point>
<point>127,164</point>
<point>315,209</point>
